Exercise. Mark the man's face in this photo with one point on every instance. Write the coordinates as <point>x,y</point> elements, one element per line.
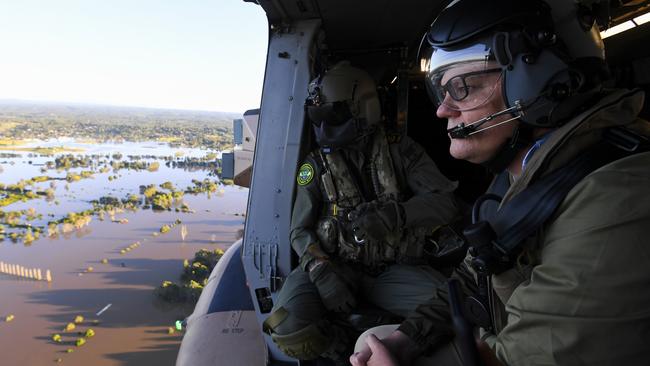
<point>484,97</point>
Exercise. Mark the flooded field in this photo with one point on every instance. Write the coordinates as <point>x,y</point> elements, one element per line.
<point>89,264</point>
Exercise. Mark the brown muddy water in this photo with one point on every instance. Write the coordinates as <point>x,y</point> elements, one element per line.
<point>134,329</point>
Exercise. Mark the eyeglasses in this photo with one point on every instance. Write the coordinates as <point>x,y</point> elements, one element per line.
<point>457,87</point>
<point>333,113</point>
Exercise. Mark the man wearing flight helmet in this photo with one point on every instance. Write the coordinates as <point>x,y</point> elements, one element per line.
<point>365,200</point>
<point>558,266</point>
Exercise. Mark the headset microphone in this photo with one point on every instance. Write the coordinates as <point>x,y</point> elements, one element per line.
<point>463,131</point>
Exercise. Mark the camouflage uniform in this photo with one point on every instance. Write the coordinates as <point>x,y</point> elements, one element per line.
<point>391,274</point>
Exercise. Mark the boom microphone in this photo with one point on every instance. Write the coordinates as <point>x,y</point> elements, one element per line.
<point>463,131</point>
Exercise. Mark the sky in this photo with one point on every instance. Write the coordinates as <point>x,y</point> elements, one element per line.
<point>193,54</point>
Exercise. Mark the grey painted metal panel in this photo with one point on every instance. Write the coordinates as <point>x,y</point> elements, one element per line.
<point>360,24</point>
<point>227,166</point>
<point>266,252</point>
<point>238,131</point>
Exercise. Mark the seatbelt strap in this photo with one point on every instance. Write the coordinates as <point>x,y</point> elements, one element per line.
<point>525,213</point>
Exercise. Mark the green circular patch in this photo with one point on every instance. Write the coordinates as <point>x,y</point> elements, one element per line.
<point>305,174</point>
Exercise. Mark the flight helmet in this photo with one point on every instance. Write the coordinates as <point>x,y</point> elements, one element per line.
<point>343,105</point>
<point>548,52</point>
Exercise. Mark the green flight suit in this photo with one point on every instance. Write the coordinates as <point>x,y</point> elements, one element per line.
<point>397,285</point>
<point>579,294</point>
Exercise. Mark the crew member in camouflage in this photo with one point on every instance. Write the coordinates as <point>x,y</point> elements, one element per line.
<point>365,201</point>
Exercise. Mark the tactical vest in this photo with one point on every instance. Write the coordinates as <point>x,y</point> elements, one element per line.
<point>342,195</point>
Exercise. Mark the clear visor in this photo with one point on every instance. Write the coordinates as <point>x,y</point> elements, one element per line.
<point>463,79</point>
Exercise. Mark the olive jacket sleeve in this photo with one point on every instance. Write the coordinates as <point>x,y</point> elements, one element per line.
<point>305,213</point>
<point>586,302</point>
<point>429,325</point>
<point>433,202</point>
<point>583,300</point>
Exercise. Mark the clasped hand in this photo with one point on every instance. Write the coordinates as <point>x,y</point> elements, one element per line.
<point>375,219</point>
<point>391,352</point>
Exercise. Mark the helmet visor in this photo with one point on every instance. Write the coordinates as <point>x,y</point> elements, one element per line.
<point>462,79</point>
<point>333,113</point>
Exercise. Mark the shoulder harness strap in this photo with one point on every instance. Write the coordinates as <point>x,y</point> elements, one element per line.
<point>496,242</point>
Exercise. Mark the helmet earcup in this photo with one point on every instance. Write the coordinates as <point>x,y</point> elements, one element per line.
<point>538,85</point>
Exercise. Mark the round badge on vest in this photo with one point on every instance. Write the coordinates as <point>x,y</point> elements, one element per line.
<point>305,174</point>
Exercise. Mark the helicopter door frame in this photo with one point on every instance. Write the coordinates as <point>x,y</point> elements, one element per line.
<point>266,251</point>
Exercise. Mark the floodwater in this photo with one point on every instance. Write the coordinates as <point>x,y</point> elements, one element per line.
<point>134,329</point>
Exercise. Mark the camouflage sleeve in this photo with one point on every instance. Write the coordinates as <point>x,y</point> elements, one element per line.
<point>305,213</point>
<point>433,200</point>
<point>430,324</point>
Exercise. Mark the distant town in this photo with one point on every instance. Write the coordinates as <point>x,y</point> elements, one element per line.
<point>21,121</point>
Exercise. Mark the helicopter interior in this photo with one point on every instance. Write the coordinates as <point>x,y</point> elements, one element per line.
<point>383,37</point>
<point>389,52</point>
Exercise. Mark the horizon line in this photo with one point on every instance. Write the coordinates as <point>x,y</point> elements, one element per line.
<point>99,104</point>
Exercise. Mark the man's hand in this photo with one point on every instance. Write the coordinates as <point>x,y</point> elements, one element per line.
<point>376,220</point>
<point>380,355</point>
<point>333,290</point>
<point>384,353</point>
<point>397,348</point>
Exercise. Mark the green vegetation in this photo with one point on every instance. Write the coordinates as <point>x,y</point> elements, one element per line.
<point>20,226</point>
<point>203,186</point>
<point>135,165</point>
<point>71,161</point>
<point>42,150</point>
<point>208,162</point>
<point>153,167</point>
<point>22,121</point>
<point>9,198</point>
<point>148,191</point>
<point>159,200</point>
<point>110,204</point>
<point>73,177</point>
<point>194,277</point>
<point>168,186</point>
<point>18,221</point>
<point>162,201</point>
<point>77,219</point>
